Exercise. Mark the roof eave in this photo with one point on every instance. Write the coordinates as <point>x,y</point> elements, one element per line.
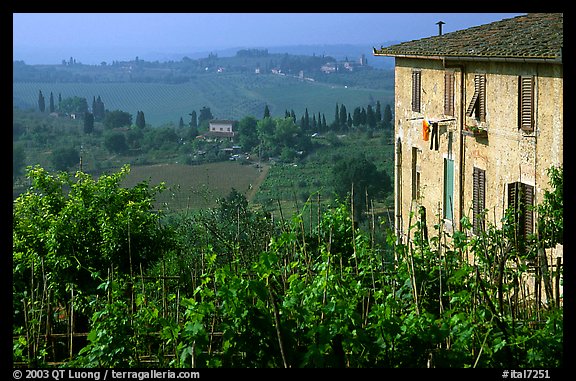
<point>514,59</point>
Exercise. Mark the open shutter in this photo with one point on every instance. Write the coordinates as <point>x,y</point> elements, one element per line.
<point>481,88</point>
<point>478,101</point>
<point>526,103</point>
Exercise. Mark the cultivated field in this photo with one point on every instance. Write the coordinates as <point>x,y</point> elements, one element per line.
<point>229,96</point>
<point>197,186</point>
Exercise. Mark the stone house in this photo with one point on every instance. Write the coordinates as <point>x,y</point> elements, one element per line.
<point>478,122</point>
<point>221,129</point>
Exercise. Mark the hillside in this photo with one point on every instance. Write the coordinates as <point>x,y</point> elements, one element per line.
<point>228,95</point>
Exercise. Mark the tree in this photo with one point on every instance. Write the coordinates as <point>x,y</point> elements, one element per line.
<point>51,102</point>
<point>115,142</point>
<point>336,123</point>
<point>358,176</point>
<point>370,117</point>
<point>98,109</point>
<point>204,118</point>
<point>193,120</point>
<point>140,120</point>
<point>306,124</point>
<point>41,102</point>
<point>88,123</point>
<point>117,118</point>
<point>266,112</point>
<point>387,118</point>
<point>248,133</point>
<point>181,123</point>
<point>378,113</point>
<point>18,160</point>
<point>343,118</point>
<point>74,104</point>
<point>75,228</point>
<point>64,158</point>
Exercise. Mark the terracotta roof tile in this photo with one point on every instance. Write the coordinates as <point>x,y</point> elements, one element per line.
<point>534,35</point>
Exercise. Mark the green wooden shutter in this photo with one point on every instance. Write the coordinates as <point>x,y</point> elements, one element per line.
<point>448,189</point>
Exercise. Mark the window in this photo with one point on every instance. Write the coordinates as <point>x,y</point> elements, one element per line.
<point>449,93</point>
<point>477,105</point>
<point>526,103</point>
<point>520,200</point>
<point>478,200</point>
<point>448,189</point>
<point>416,89</point>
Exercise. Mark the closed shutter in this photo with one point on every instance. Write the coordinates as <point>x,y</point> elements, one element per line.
<point>416,86</point>
<point>449,93</point>
<point>521,200</point>
<point>528,202</point>
<point>526,103</point>
<point>478,199</point>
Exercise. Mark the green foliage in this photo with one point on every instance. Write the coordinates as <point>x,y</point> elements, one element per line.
<point>115,142</point>
<point>65,157</point>
<point>117,119</point>
<point>74,104</point>
<point>69,229</point>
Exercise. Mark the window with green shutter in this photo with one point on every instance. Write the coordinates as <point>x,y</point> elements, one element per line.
<point>448,189</point>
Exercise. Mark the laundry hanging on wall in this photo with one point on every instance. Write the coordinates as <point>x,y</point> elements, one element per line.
<point>425,130</point>
<point>434,138</point>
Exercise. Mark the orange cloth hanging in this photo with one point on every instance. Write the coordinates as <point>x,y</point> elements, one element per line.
<point>425,130</point>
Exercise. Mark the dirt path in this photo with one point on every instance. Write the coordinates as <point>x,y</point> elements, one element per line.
<point>259,180</point>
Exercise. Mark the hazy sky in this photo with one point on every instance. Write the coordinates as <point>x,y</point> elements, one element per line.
<point>95,37</point>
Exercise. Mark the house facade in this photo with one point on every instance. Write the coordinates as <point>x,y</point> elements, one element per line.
<point>478,122</point>
<point>221,128</point>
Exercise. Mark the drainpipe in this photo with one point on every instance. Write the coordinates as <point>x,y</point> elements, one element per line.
<point>398,191</point>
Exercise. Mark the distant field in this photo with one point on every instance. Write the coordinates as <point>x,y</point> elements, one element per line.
<point>198,186</point>
<point>229,96</point>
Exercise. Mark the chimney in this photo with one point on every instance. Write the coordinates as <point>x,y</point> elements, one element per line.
<point>440,23</point>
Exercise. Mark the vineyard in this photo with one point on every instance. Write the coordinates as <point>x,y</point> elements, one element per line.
<point>229,96</point>
<point>102,280</point>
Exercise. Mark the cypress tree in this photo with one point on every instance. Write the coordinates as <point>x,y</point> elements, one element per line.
<point>266,112</point>
<point>343,120</point>
<point>88,123</point>
<point>51,102</point>
<point>41,102</point>
<point>193,120</point>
